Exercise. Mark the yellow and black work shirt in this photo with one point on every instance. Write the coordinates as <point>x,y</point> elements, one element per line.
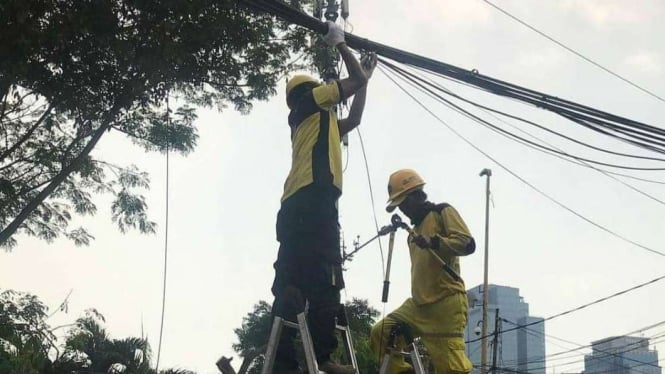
<point>316,149</point>
<point>429,282</point>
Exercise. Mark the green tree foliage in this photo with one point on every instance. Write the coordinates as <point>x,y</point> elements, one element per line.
<point>25,339</point>
<point>361,317</point>
<point>252,338</point>
<point>28,344</point>
<point>72,71</point>
<point>255,330</point>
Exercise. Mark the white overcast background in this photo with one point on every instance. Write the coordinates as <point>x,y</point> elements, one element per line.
<point>224,196</point>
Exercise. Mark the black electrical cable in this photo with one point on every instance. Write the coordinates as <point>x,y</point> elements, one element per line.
<point>166,237</point>
<point>657,141</point>
<point>560,157</point>
<point>576,161</point>
<point>532,97</point>
<point>571,118</point>
<point>443,89</point>
<point>486,123</point>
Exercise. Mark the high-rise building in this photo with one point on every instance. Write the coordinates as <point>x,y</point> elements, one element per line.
<point>522,349</point>
<point>622,355</point>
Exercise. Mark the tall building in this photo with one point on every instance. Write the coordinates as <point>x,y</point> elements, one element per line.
<point>622,355</point>
<point>522,349</point>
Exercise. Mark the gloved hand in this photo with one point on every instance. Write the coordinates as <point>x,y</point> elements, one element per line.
<point>422,241</point>
<point>368,62</point>
<point>335,34</point>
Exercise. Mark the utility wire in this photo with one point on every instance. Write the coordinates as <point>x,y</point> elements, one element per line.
<point>507,134</point>
<point>578,54</point>
<point>654,339</point>
<point>447,91</point>
<point>640,142</point>
<point>412,78</point>
<point>490,111</point>
<point>371,196</point>
<point>576,309</point>
<point>640,134</point>
<point>533,187</point>
<point>605,353</point>
<point>166,235</point>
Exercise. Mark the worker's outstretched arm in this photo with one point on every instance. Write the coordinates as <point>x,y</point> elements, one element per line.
<point>357,77</point>
<point>349,123</point>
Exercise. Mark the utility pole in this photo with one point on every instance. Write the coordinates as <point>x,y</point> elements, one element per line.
<point>483,352</point>
<point>497,329</point>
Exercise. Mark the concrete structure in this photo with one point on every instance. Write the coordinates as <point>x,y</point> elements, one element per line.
<point>523,349</point>
<point>622,355</point>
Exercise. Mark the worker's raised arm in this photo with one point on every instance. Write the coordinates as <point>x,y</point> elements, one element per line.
<point>349,123</point>
<point>357,77</point>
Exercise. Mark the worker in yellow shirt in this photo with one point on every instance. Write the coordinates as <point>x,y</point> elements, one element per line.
<point>437,308</point>
<point>308,266</point>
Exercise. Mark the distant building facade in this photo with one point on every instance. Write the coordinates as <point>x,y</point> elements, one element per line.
<point>521,350</point>
<point>622,355</point>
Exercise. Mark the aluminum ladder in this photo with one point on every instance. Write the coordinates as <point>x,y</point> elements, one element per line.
<point>411,349</point>
<point>280,323</point>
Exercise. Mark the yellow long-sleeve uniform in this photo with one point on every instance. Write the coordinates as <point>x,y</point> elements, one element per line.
<point>437,308</point>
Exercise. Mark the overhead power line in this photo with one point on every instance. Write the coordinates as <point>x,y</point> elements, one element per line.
<point>371,196</point>
<point>490,111</point>
<point>576,53</point>
<point>604,354</point>
<point>413,78</point>
<point>576,309</point>
<point>639,134</point>
<point>448,92</point>
<point>559,154</point>
<point>166,237</point>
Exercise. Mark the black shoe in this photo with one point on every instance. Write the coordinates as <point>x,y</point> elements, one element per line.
<point>331,367</point>
<point>282,369</point>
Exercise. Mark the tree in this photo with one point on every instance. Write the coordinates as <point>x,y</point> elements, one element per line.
<point>255,330</point>
<point>253,337</point>
<point>71,71</point>
<point>27,342</point>
<point>361,317</point>
<point>25,339</point>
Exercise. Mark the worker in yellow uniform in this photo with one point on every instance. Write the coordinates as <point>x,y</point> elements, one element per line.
<point>308,266</point>
<point>437,308</point>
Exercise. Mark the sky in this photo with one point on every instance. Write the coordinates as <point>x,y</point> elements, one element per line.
<point>223,198</point>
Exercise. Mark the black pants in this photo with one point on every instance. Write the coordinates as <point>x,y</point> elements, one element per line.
<point>308,268</point>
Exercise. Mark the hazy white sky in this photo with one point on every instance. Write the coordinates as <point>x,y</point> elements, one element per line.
<point>224,197</point>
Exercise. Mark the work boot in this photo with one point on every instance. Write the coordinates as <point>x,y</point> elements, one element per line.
<point>281,369</point>
<point>331,367</point>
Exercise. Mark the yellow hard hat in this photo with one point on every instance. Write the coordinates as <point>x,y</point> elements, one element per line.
<point>401,183</point>
<point>297,80</point>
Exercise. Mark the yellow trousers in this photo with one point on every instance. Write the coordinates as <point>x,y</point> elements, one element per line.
<point>440,325</point>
